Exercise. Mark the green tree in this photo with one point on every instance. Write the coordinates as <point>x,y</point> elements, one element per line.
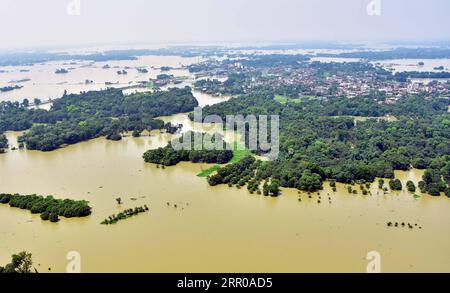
<point>20,263</point>
<point>410,186</point>
<point>395,184</point>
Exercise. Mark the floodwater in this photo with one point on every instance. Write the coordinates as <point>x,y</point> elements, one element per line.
<point>212,228</point>
<point>41,81</point>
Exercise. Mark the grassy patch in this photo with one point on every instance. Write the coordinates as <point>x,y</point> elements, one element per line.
<point>284,99</point>
<point>238,154</point>
<point>281,99</point>
<point>209,171</point>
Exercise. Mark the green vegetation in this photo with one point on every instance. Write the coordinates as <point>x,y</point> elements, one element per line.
<point>411,186</point>
<point>49,207</point>
<point>113,219</point>
<point>61,71</point>
<point>281,99</point>
<point>433,182</point>
<point>168,156</point>
<point>272,188</point>
<point>10,88</point>
<point>142,70</point>
<point>75,118</point>
<point>284,99</point>
<point>316,146</point>
<point>395,184</point>
<point>380,183</point>
<point>237,173</point>
<point>209,171</point>
<point>239,152</point>
<point>3,143</point>
<point>21,263</point>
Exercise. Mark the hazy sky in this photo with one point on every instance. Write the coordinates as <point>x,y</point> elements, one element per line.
<point>47,23</point>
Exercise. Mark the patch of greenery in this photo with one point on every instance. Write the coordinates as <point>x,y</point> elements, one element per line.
<point>315,145</point>
<point>49,207</point>
<point>113,219</point>
<point>285,99</point>
<point>169,156</point>
<point>209,171</point>
<point>79,117</point>
<point>239,152</point>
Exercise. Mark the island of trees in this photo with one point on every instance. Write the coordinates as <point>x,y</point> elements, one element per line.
<point>113,219</point>
<point>168,156</point>
<point>61,71</point>
<point>10,88</point>
<point>48,207</point>
<point>74,118</point>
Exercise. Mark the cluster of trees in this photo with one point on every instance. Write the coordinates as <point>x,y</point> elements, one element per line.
<point>48,207</point>
<point>247,171</point>
<point>235,84</point>
<point>411,186</point>
<point>21,263</point>
<point>169,156</point>
<point>3,143</point>
<point>113,219</point>
<point>16,116</point>
<point>172,128</point>
<point>272,188</point>
<point>238,173</point>
<point>395,184</point>
<point>270,60</point>
<point>75,118</point>
<point>319,141</point>
<point>433,182</point>
<point>10,88</point>
<point>61,71</point>
<point>164,76</point>
<point>142,70</point>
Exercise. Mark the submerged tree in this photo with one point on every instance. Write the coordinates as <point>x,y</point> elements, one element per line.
<point>20,263</point>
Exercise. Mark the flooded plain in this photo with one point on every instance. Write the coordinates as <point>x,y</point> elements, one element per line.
<point>211,228</point>
<point>41,81</point>
<point>192,227</point>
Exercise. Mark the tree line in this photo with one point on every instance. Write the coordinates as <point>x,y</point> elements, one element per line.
<point>3,143</point>
<point>48,207</point>
<point>169,156</point>
<point>79,117</point>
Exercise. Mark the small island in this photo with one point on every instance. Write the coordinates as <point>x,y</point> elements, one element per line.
<point>61,71</point>
<point>10,88</point>
<point>48,207</point>
<point>113,219</point>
